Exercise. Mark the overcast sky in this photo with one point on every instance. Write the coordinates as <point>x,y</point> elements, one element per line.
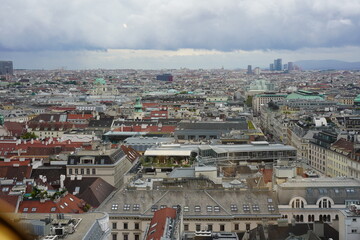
<point>172,34</point>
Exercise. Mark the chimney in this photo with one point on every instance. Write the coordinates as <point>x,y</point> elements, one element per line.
<point>62,179</point>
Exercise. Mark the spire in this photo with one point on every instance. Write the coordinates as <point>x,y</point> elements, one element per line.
<point>1,120</point>
<point>138,106</point>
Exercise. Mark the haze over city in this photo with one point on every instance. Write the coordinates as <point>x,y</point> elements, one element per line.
<point>174,34</point>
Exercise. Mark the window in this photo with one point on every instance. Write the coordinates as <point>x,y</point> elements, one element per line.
<point>271,208</point>
<point>53,209</point>
<point>33,209</point>
<point>70,171</point>
<point>126,207</point>
<point>93,171</point>
<point>186,227</point>
<point>247,226</point>
<point>126,236</point>
<point>324,203</point>
<point>233,208</point>
<point>115,207</point>
<point>76,171</point>
<point>209,227</point>
<point>297,203</point>
<point>114,225</point>
<point>88,171</point>
<point>354,219</point>
<point>255,207</point>
<point>25,209</point>
<point>209,208</point>
<point>136,207</point>
<point>246,208</point>
<point>353,230</point>
<point>162,206</point>
<point>236,227</point>
<point>154,208</point>
<point>222,227</point>
<point>125,225</point>
<point>186,209</point>
<point>216,209</point>
<point>136,236</point>
<point>197,208</point>
<point>82,171</point>
<point>137,226</point>
<point>197,227</point>
<point>114,237</point>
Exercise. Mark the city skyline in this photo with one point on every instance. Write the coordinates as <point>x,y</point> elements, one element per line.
<point>172,34</point>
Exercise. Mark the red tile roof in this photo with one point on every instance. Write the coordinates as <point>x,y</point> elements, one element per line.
<point>16,129</point>
<point>158,223</point>
<point>67,204</point>
<point>18,173</point>
<point>12,162</point>
<point>343,145</point>
<point>79,116</point>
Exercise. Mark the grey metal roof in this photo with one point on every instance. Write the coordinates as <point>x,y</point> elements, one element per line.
<point>194,203</point>
<point>338,189</point>
<point>182,173</point>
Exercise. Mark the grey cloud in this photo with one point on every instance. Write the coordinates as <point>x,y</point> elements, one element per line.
<point>35,25</point>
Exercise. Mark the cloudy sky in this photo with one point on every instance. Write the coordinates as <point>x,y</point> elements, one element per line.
<point>176,33</point>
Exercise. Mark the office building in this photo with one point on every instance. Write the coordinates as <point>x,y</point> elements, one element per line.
<point>249,69</point>
<point>278,64</point>
<point>271,67</point>
<point>6,68</point>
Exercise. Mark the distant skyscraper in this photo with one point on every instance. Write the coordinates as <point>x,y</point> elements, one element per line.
<point>6,68</point>
<point>257,71</point>
<point>290,66</point>
<point>272,67</point>
<point>278,64</point>
<point>249,70</point>
<point>285,67</point>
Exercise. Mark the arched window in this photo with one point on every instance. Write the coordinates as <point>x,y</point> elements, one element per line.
<point>297,202</point>
<point>325,202</point>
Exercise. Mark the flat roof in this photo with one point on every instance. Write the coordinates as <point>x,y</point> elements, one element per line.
<point>321,182</point>
<point>167,152</point>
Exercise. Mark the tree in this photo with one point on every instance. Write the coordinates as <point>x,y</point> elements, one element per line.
<point>248,101</point>
<point>273,106</point>
<point>29,135</point>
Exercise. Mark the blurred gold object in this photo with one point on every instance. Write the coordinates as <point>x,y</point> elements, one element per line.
<point>8,228</point>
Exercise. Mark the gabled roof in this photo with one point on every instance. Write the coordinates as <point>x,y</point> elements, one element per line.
<point>92,190</point>
<point>18,173</point>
